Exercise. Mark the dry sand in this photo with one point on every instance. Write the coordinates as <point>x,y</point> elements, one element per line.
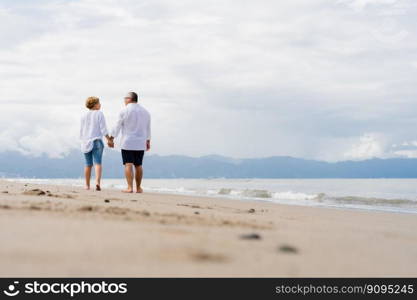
<point>66,231</point>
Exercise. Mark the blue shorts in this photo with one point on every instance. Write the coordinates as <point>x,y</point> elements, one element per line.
<point>95,154</point>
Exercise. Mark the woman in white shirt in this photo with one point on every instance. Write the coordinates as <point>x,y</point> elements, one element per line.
<point>93,128</point>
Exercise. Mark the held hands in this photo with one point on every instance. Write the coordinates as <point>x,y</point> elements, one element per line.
<point>110,141</point>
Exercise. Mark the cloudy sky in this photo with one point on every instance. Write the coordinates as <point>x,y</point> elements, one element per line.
<point>322,79</point>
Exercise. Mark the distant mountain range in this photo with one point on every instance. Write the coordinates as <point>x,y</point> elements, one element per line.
<point>14,164</point>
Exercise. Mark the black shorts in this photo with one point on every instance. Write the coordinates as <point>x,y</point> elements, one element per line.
<point>133,157</point>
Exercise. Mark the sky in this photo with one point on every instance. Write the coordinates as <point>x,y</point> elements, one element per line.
<point>318,79</point>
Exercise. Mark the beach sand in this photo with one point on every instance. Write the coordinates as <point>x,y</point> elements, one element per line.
<point>62,231</point>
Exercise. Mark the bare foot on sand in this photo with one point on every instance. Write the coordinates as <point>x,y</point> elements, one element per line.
<point>87,188</point>
<point>139,190</point>
<point>127,191</point>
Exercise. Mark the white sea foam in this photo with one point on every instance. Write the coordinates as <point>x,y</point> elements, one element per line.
<point>293,196</point>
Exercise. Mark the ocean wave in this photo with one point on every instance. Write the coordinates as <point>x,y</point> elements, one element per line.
<point>318,198</point>
<point>179,190</point>
<point>373,201</point>
<point>265,194</point>
<point>294,196</point>
<point>248,193</point>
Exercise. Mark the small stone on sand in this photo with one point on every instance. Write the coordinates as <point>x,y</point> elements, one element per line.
<point>287,249</point>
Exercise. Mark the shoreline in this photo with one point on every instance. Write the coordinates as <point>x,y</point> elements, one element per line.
<point>67,231</point>
<point>42,181</point>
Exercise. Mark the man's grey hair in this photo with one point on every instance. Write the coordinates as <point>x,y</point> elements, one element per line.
<point>134,96</point>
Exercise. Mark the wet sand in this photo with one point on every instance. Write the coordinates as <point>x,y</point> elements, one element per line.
<point>62,231</point>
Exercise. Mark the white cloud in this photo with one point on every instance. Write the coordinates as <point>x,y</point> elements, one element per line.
<point>381,4</point>
<point>407,149</point>
<point>42,140</point>
<point>368,146</point>
<point>406,153</point>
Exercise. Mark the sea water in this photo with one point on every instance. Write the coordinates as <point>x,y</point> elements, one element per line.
<point>394,195</point>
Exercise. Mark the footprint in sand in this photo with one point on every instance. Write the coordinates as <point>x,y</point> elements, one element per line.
<point>34,192</point>
<point>86,208</point>
<point>144,213</point>
<point>107,200</point>
<point>189,205</point>
<point>116,210</point>
<point>250,236</point>
<point>39,192</point>
<point>252,210</point>
<point>194,206</point>
<point>66,196</point>
<point>35,207</point>
<point>208,257</point>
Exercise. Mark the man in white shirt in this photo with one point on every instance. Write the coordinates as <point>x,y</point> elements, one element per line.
<point>134,125</point>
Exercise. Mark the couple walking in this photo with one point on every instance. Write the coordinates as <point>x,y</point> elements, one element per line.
<point>134,128</point>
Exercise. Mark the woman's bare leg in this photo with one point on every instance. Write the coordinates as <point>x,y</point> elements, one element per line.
<point>87,174</point>
<point>99,171</point>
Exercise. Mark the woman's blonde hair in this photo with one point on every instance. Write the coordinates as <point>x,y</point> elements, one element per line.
<point>91,102</point>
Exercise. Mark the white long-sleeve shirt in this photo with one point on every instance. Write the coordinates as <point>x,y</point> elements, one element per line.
<point>93,127</point>
<point>134,124</point>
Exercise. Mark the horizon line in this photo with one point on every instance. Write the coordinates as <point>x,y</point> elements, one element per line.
<point>43,154</point>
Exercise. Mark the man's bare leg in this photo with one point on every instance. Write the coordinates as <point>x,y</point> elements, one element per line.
<point>87,174</point>
<point>129,178</point>
<point>138,177</point>
<point>98,176</point>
